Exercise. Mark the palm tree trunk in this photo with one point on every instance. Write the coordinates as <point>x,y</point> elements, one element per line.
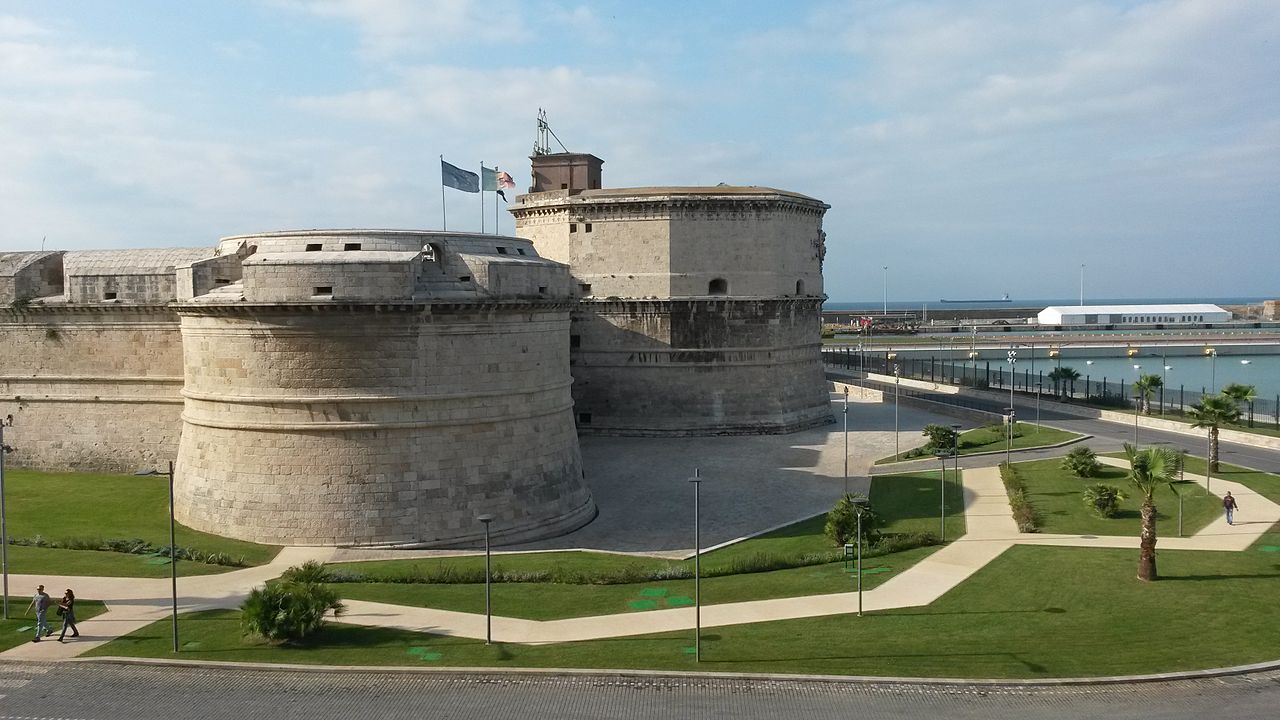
<point>1147,553</point>
<point>1146,404</point>
<point>1213,449</point>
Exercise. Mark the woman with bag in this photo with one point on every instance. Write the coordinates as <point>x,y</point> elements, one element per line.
<point>67,609</point>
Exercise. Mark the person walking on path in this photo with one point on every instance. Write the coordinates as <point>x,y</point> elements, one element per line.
<point>1229,504</point>
<point>67,609</point>
<point>41,603</point>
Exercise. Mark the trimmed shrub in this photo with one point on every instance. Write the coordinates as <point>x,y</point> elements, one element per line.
<point>287,611</point>
<point>1081,462</point>
<point>131,546</point>
<point>842,521</point>
<point>940,437</point>
<point>1103,500</point>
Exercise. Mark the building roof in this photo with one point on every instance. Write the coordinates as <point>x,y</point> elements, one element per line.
<point>151,261</point>
<point>1155,309</point>
<point>12,262</point>
<point>673,191</point>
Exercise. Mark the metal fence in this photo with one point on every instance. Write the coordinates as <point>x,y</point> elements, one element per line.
<point>984,374</point>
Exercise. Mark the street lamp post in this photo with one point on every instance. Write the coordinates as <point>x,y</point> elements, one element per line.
<point>886,288</point>
<point>846,441</point>
<point>1008,442</point>
<point>697,566</point>
<point>1039,389</point>
<point>488,597</point>
<point>1213,368</point>
<point>1137,402</point>
<point>896,384</point>
<point>942,488</point>
<point>859,507</point>
<point>173,551</point>
<point>4,528</point>
<point>1082,284</point>
<point>1013,360</point>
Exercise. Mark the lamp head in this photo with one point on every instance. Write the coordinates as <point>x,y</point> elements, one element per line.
<point>486,518</point>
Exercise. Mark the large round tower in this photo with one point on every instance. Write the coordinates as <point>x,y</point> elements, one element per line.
<point>377,387</point>
<point>699,308</point>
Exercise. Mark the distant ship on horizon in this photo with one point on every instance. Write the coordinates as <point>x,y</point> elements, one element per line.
<point>1001,300</point>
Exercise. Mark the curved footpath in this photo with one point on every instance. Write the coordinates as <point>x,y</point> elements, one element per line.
<point>134,603</point>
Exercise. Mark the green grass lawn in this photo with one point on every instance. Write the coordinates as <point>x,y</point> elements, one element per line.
<point>1057,495</point>
<point>1035,612</point>
<point>60,506</point>
<point>907,503</point>
<point>21,626</point>
<point>988,439</point>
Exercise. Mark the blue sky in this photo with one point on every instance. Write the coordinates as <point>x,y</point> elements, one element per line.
<point>975,148</point>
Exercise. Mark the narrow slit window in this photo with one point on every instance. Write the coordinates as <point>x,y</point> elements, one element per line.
<point>322,290</point>
<point>502,250</point>
<point>351,246</point>
<point>314,247</point>
<point>108,296</point>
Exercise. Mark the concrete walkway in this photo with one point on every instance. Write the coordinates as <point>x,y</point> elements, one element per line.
<point>990,530</point>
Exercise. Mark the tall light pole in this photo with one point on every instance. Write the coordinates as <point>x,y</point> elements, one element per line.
<point>488,604</point>
<point>1013,361</point>
<point>4,528</point>
<point>1137,403</point>
<point>697,566</point>
<point>1039,389</point>
<point>846,441</point>
<point>942,488</point>
<point>955,447</point>
<point>1213,368</point>
<point>1081,284</point>
<point>886,289</point>
<point>1008,442</point>
<point>173,551</point>
<point>896,385</point>
<point>859,507</point>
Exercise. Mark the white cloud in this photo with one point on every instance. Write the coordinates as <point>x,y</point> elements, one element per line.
<point>388,28</point>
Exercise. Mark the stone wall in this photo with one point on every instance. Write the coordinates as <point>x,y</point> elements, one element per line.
<point>331,424</point>
<point>91,388</point>
<point>697,367</point>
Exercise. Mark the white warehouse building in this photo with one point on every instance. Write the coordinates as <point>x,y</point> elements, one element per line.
<point>1132,314</point>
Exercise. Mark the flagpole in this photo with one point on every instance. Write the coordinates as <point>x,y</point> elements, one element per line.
<point>444,208</point>
<point>495,200</point>
<point>482,197</point>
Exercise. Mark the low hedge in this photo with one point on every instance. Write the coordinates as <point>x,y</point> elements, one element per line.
<point>632,573</point>
<point>131,546</point>
<point>1024,513</point>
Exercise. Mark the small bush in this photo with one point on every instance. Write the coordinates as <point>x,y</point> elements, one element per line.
<point>288,610</point>
<point>1024,513</point>
<point>940,437</point>
<point>1103,500</point>
<point>842,521</point>
<point>1082,462</point>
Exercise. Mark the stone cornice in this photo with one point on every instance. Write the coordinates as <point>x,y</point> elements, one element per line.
<point>251,308</point>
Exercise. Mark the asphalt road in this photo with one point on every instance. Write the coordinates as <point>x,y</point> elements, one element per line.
<point>95,691</point>
<point>1107,435</point>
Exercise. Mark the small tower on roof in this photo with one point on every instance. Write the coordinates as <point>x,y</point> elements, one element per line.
<point>565,170</point>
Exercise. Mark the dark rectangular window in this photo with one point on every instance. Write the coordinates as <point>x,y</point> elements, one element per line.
<point>585,288</point>
<point>542,289</point>
<point>520,251</point>
<point>587,227</point>
<point>314,247</point>
<point>109,296</point>
<point>575,341</point>
<point>464,278</point>
<point>573,227</point>
<point>584,418</point>
<point>351,246</point>
<point>221,281</point>
<point>502,250</point>
<point>322,290</point>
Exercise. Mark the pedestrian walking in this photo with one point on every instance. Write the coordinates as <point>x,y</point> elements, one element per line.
<point>1229,504</point>
<point>67,609</point>
<point>41,603</point>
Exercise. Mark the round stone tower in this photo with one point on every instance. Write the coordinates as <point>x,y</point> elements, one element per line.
<point>359,387</point>
<point>699,307</point>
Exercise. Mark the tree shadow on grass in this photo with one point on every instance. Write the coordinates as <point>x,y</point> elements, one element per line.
<point>1224,576</point>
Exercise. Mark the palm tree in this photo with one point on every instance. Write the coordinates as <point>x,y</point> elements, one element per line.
<point>1212,412</point>
<point>1242,395</point>
<point>1149,469</point>
<point>1146,386</point>
<point>1060,377</point>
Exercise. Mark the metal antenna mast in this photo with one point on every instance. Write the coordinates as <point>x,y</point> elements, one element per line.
<point>542,145</point>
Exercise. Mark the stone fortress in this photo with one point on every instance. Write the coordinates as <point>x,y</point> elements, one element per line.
<point>384,387</point>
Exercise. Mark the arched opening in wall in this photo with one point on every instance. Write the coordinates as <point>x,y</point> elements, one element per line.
<point>799,287</point>
<point>433,253</point>
<point>718,286</point>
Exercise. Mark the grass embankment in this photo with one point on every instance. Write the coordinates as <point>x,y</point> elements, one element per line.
<point>67,506</point>
<point>21,625</point>
<point>907,503</point>
<point>992,438</point>
<point>1035,612</point>
<point>1057,496</point>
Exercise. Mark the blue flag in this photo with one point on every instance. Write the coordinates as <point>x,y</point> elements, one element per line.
<point>458,179</point>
